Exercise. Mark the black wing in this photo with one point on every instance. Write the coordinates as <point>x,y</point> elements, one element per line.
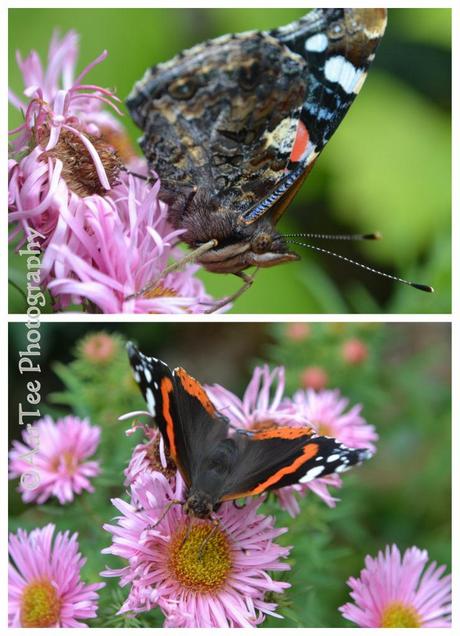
<point>186,418</point>
<point>284,456</point>
<point>338,46</point>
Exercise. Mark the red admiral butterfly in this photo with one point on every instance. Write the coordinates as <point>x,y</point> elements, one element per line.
<point>233,126</point>
<point>220,465</point>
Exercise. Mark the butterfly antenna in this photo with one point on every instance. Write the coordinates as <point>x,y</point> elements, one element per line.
<point>315,248</point>
<point>374,236</point>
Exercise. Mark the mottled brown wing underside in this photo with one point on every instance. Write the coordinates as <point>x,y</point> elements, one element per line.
<point>222,116</point>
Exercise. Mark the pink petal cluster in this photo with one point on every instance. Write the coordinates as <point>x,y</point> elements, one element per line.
<point>52,460</point>
<point>102,235</point>
<point>44,583</point>
<point>264,404</point>
<point>395,591</point>
<point>144,537</point>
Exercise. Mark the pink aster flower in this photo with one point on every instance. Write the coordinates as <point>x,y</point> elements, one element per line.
<point>220,583</point>
<point>52,460</point>
<point>102,236</point>
<point>60,150</point>
<point>327,413</point>
<point>149,456</point>
<point>122,242</point>
<point>399,592</point>
<point>44,584</point>
<point>263,406</point>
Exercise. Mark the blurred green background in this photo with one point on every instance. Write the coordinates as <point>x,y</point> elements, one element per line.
<point>387,168</point>
<point>402,495</point>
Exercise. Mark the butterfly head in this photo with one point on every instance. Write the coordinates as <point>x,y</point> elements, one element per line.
<point>199,504</point>
<point>260,246</point>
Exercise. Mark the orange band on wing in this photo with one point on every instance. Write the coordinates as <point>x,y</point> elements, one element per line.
<point>194,388</point>
<point>166,388</point>
<point>283,432</point>
<point>309,451</point>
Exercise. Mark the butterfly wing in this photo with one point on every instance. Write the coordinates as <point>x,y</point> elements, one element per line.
<point>187,420</point>
<point>283,456</point>
<point>222,117</point>
<point>338,46</point>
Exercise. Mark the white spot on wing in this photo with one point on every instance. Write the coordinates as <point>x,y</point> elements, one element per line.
<point>339,70</point>
<point>149,398</point>
<point>316,43</point>
<point>148,375</point>
<point>311,474</point>
<point>333,458</point>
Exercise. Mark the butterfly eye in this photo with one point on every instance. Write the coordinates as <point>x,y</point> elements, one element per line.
<point>183,88</point>
<point>261,243</point>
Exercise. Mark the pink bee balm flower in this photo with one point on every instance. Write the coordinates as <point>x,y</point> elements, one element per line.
<point>44,584</point>
<point>199,574</point>
<point>52,460</point>
<point>258,410</point>
<point>327,413</point>
<point>122,242</point>
<point>399,592</point>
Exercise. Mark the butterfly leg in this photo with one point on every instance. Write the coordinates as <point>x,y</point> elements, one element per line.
<point>193,256</point>
<point>150,178</point>
<point>248,280</point>
<point>167,508</point>
<point>215,525</point>
<point>187,531</point>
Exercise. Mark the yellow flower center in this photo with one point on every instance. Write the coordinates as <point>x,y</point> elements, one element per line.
<point>399,615</point>
<point>200,561</point>
<point>323,428</point>
<point>70,462</point>
<point>40,605</point>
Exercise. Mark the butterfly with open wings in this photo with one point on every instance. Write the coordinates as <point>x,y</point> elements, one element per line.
<point>220,464</point>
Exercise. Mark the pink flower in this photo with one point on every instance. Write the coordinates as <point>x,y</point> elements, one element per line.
<point>197,579</point>
<point>262,405</point>
<point>60,151</point>
<point>354,351</point>
<point>150,456</point>
<point>395,592</point>
<point>103,237</point>
<point>326,412</point>
<point>121,243</point>
<point>297,331</point>
<point>52,461</point>
<point>314,378</point>
<point>44,584</point>
<point>259,410</point>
